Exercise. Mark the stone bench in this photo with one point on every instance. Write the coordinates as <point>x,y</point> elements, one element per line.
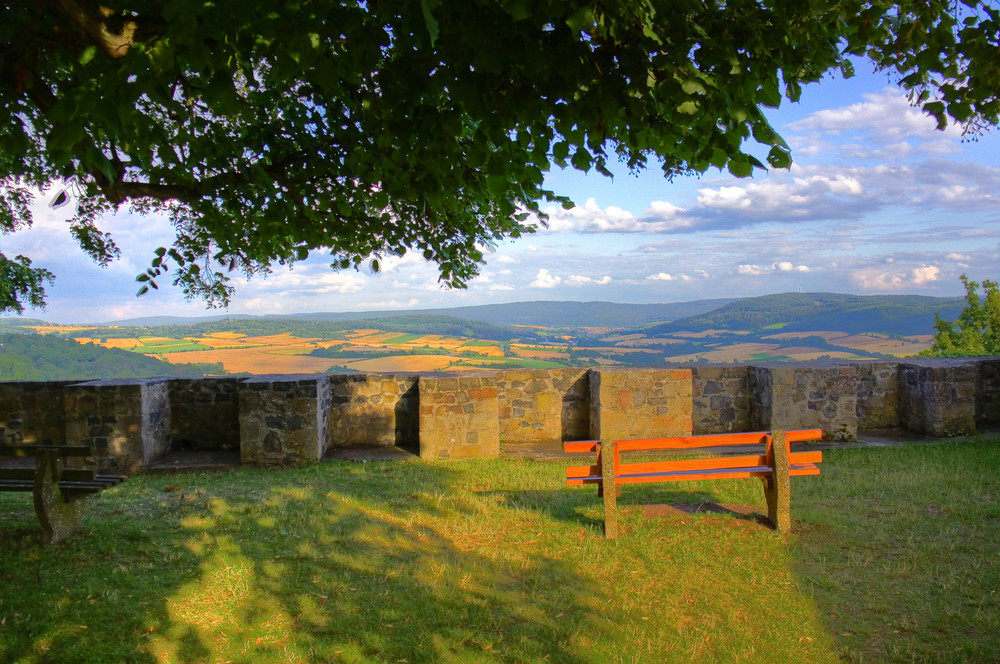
<point>773,463</point>
<point>61,494</point>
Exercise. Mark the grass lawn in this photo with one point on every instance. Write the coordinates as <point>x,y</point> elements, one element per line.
<point>895,556</point>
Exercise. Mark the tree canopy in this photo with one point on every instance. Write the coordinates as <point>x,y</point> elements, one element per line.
<point>977,330</point>
<point>270,129</point>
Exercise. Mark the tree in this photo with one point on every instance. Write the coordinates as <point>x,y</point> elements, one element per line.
<point>977,330</point>
<point>267,130</point>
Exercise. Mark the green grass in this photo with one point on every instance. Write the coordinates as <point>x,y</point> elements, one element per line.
<point>893,558</point>
<point>404,338</point>
<point>167,346</point>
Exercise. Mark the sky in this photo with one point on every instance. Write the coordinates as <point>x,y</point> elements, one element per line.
<point>877,201</point>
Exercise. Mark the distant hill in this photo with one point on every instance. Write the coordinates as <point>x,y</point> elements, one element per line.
<point>47,357</point>
<point>305,327</point>
<point>794,312</point>
<point>543,313</point>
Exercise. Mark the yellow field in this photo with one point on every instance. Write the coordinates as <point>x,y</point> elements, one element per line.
<point>645,342</point>
<point>402,363</point>
<point>732,353</point>
<point>708,333</point>
<point>121,343</point>
<point>867,343</point>
<point>225,335</point>
<point>488,351</point>
<point>539,354</point>
<point>46,329</point>
<point>278,340</point>
<point>218,342</point>
<point>254,361</point>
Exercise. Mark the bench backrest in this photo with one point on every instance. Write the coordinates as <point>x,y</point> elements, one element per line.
<point>754,465</point>
<point>57,450</point>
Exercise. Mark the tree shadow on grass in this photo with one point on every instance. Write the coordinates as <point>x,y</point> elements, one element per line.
<point>339,562</point>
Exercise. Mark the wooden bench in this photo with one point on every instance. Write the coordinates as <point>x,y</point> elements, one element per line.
<point>773,464</point>
<point>61,494</point>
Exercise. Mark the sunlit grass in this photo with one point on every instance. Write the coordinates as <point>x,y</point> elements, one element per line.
<point>893,558</point>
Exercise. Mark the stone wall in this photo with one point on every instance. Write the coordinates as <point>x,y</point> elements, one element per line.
<point>720,399</point>
<point>640,403</point>
<point>807,397</point>
<point>33,412</point>
<point>878,395</point>
<point>373,410</point>
<point>284,420</point>
<point>126,421</point>
<point>543,407</point>
<point>938,396</point>
<point>459,416</point>
<point>295,420</point>
<point>204,413</point>
<point>988,394</point>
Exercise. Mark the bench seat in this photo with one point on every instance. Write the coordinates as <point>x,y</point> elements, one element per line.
<point>60,493</point>
<point>773,466</point>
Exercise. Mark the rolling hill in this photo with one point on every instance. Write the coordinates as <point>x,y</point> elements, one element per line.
<point>794,312</point>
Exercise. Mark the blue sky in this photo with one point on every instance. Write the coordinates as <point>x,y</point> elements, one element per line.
<point>878,201</point>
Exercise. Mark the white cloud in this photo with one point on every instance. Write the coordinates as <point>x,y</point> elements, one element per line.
<point>663,276</point>
<point>755,270</point>
<point>580,280</point>
<point>659,217</point>
<point>875,279</point>
<point>924,274</point>
<point>886,116</point>
<point>544,279</point>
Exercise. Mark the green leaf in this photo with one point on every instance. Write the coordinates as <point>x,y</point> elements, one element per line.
<point>87,54</point>
<point>688,108</point>
<point>740,167</point>
<point>778,157</point>
<point>692,86</point>
<point>432,25</point>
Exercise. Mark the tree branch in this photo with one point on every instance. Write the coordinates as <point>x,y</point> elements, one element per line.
<point>95,26</point>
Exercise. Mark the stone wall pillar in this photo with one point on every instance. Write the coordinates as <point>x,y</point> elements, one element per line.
<point>721,399</point>
<point>878,395</point>
<point>640,403</point>
<point>988,393</point>
<point>938,396</point>
<point>806,397</point>
<point>459,416</point>
<point>541,408</point>
<point>284,420</point>
<point>204,413</point>
<point>373,410</point>
<point>127,421</point>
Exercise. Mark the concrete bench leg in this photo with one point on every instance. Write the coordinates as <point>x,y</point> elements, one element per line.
<point>777,487</point>
<point>609,490</point>
<point>60,515</point>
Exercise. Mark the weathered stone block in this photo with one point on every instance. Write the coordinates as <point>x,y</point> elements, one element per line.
<point>720,399</point>
<point>543,407</point>
<point>127,421</point>
<point>815,396</point>
<point>988,392</point>
<point>450,431</point>
<point>204,413</point>
<point>284,420</point>
<point>938,396</point>
<point>640,403</point>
